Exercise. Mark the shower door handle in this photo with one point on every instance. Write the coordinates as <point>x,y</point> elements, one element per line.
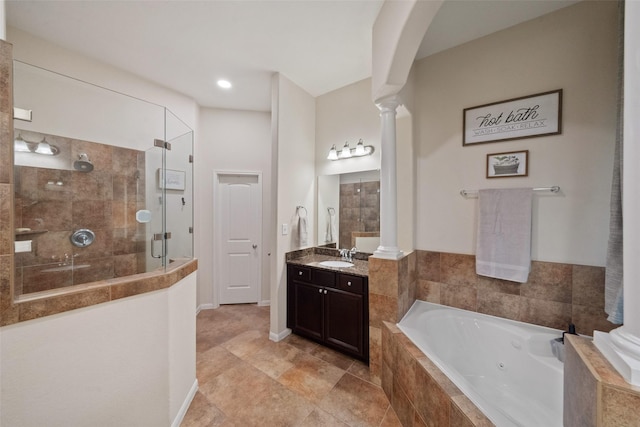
<point>153,239</point>
<point>162,237</point>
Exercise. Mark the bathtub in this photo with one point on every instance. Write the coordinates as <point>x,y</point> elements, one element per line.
<point>506,368</point>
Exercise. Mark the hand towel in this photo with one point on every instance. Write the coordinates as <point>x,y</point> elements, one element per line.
<point>503,248</point>
<point>302,228</point>
<point>331,226</point>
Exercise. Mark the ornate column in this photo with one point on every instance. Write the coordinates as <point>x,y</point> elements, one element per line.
<point>388,180</point>
<point>622,345</point>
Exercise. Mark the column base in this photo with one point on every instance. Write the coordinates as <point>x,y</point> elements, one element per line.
<point>622,350</point>
<point>388,252</point>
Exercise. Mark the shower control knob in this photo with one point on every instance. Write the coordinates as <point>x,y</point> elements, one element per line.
<point>82,237</point>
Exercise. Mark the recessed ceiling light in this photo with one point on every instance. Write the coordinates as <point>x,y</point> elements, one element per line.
<point>225,84</point>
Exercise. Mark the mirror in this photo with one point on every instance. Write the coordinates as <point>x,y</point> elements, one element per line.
<point>349,210</point>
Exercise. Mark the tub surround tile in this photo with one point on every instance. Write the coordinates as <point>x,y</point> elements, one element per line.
<point>588,319</point>
<point>402,404</point>
<point>383,277</point>
<point>458,269</point>
<point>465,413</point>
<point>548,281</point>
<point>382,309</point>
<point>545,313</point>
<point>555,295</point>
<point>588,286</point>
<point>499,304</point>
<point>434,399</point>
<point>428,291</point>
<point>428,265</point>
<point>459,296</point>
<point>600,396</point>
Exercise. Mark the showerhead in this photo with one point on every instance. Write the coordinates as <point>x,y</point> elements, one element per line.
<point>83,164</point>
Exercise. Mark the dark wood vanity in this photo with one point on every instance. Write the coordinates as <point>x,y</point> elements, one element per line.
<point>330,307</point>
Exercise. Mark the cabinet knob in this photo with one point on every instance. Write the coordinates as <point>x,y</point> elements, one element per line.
<point>299,273</point>
<point>320,290</point>
<point>325,291</point>
<point>348,283</point>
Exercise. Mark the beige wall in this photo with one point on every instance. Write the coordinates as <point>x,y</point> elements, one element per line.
<point>573,49</point>
<point>293,127</point>
<point>237,141</point>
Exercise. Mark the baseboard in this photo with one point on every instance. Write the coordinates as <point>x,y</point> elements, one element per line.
<point>279,337</point>
<point>205,307</point>
<point>185,405</point>
<point>264,303</point>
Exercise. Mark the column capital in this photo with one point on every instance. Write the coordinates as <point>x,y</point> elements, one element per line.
<point>622,349</point>
<point>389,103</point>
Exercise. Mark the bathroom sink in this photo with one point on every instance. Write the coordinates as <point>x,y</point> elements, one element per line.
<point>335,264</point>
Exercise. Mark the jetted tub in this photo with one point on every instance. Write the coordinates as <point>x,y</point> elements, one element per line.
<point>506,368</point>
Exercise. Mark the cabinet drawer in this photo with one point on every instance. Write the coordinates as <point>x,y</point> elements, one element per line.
<point>323,277</point>
<point>350,283</point>
<point>300,273</point>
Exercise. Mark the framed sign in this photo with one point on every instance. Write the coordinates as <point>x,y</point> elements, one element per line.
<point>526,117</point>
<point>513,163</point>
<point>174,179</point>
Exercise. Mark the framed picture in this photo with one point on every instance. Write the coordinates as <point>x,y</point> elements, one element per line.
<point>174,179</point>
<point>504,165</point>
<point>525,117</point>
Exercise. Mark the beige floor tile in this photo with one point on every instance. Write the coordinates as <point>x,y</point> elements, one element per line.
<point>320,418</point>
<point>362,371</point>
<point>310,377</point>
<point>356,402</point>
<point>202,413</point>
<point>247,380</point>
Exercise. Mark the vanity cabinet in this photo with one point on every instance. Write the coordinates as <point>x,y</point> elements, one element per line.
<point>329,307</point>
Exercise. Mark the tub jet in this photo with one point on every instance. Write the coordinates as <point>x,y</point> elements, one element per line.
<point>83,164</point>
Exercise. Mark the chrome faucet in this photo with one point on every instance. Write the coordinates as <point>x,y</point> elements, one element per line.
<point>347,255</point>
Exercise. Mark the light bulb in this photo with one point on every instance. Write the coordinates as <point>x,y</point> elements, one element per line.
<point>346,151</point>
<point>333,154</point>
<point>360,151</point>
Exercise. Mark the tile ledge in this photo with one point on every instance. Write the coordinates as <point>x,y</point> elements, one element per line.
<point>177,265</point>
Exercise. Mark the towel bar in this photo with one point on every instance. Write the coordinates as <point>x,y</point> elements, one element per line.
<point>553,189</point>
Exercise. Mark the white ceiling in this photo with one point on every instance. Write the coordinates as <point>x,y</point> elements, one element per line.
<point>187,45</point>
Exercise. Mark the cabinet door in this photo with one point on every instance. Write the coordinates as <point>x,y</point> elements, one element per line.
<point>344,320</point>
<point>307,309</point>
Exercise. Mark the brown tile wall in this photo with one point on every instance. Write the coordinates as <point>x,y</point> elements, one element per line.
<point>419,392</point>
<point>359,210</point>
<point>554,296</point>
<point>392,285</point>
<point>104,200</point>
<point>598,395</point>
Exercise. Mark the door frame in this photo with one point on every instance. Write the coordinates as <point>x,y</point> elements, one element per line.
<point>217,242</point>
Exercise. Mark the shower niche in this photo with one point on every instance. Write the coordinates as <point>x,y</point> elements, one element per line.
<point>89,201</point>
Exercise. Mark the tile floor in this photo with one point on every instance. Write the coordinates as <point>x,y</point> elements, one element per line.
<point>247,380</point>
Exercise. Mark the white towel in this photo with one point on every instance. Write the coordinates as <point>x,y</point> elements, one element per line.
<point>331,227</point>
<point>503,247</point>
<point>302,227</point>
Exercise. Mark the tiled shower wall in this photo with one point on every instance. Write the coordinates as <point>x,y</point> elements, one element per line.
<point>359,209</point>
<point>55,202</point>
<point>555,295</point>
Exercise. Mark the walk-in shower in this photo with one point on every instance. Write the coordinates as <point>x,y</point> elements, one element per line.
<point>102,206</point>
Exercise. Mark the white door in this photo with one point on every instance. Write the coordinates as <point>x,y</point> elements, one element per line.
<point>239,227</point>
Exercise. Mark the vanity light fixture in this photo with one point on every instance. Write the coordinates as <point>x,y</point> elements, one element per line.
<point>22,146</point>
<point>347,152</point>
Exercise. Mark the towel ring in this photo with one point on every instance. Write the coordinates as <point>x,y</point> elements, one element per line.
<point>301,207</point>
